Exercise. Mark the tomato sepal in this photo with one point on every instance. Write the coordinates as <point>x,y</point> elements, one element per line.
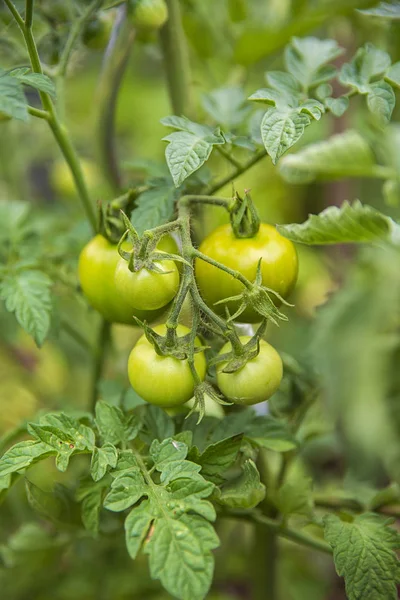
<point>168,345</point>
<point>257,297</point>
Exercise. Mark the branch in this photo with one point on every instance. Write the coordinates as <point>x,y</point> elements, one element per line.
<point>236,173</point>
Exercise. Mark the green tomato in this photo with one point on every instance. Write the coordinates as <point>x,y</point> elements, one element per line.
<point>145,289</point>
<point>149,14</point>
<point>256,381</point>
<point>97,264</point>
<point>63,182</point>
<point>279,266</point>
<point>163,380</point>
<point>97,31</point>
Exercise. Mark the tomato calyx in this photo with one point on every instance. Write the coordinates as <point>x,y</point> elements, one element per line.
<point>245,221</point>
<point>203,391</point>
<point>169,344</point>
<point>257,297</point>
<point>235,360</point>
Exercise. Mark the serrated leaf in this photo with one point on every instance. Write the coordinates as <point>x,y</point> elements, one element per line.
<point>154,207</point>
<point>39,81</point>
<point>306,59</point>
<point>83,437</point>
<point>27,294</point>
<point>283,82</point>
<point>364,554</point>
<point>22,455</point>
<point>169,459</point>
<point>351,223</point>
<point>343,155</point>
<point>217,458</point>
<point>226,106</point>
<point>392,75</point>
<point>384,10</point>
<point>137,525</point>
<point>281,129</point>
<point>368,63</point>
<point>337,106</point>
<point>12,98</point>
<point>187,152</point>
<point>273,98</point>
<point>62,444</point>
<point>113,425</point>
<point>126,489</point>
<point>381,101</point>
<point>246,491</point>
<point>102,458</point>
<point>157,424</point>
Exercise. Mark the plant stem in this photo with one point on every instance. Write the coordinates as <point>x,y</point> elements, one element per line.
<point>239,171</point>
<point>76,335</point>
<point>263,564</point>
<point>99,360</point>
<point>58,130</point>
<point>113,69</point>
<point>280,529</point>
<point>176,60</point>
<point>228,157</point>
<point>40,114</point>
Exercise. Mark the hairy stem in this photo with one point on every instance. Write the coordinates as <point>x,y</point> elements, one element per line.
<point>176,60</point>
<point>59,131</point>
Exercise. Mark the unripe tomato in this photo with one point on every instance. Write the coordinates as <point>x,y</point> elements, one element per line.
<point>149,14</point>
<point>145,289</point>
<point>63,182</point>
<point>97,31</point>
<point>97,263</point>
<point>279,266</point>
<point>256,381</point>
<point>163,380</point>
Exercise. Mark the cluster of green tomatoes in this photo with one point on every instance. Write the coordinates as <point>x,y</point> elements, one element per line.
<point>120,294</point>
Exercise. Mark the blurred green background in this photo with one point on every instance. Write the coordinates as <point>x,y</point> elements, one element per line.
<point>352,342</point>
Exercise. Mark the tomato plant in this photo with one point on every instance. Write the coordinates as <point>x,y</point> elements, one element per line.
<point>237,179</point>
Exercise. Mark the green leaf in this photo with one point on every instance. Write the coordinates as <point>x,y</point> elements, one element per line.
<point>47,504</point>
<point>27,294</point>
<point>312,107</point>
<point>154,207</point>
<point>391,192</point>
<point>281,129</point>
<point>62,444</point>
<point>343,155</point>
<point>246,491</point>
<point>38,81</point>
<point>337,106</point>
<point>172,522</point>
<point>351,223</point>
<point>263,431</point>
<point>126,489</point>
<point>91,495</point>
<point>114,427</point>
<point>384,10</point>
<point>270,433</point>
<point>12,98</point>
<point>22,455</point>
<point>392,75</point>
<point>283,82</point>
<point>102,458</point>
<point>381,101</point>
<point>306,60</point>
<point>217,458</point>
<point>274,98</point>
<point>157,424</point>
<point>294,497</point>
<point>226,106</point>
<point>364,554</point>
<point>189,147</point>
<point>368,63</point>
<point>83,437</point>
